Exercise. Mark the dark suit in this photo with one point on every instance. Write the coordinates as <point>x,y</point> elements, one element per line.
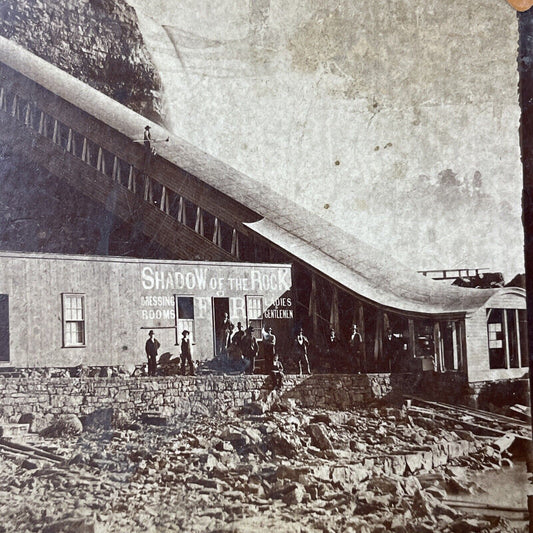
<point>249,350</point>
<point>186,356</point>
<point>151,348</point>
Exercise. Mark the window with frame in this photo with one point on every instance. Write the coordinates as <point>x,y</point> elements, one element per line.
<point>507,336</point>
<point>254,313</point>
<point>184,317</point>
<point>496,337</point>
<point>73,320</point>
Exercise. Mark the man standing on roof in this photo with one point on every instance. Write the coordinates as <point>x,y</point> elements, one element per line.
<point>147,138</point>
<point>148,150</point>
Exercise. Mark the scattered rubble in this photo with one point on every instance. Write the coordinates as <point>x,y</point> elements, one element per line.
<point>295,470</point>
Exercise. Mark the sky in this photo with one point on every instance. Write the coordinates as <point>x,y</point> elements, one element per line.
<point>395,120</point>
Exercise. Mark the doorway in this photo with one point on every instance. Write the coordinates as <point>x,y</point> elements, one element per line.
<point>220,323</point>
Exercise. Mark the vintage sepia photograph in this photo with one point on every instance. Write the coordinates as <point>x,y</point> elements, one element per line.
<point>263,267</point>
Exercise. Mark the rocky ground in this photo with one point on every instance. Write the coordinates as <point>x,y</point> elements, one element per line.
<point>375,470</point>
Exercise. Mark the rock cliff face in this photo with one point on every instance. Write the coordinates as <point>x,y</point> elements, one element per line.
<point>41,213</point>
<point>97,41</point>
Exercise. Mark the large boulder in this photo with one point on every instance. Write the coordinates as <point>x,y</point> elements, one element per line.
<point>63,426</point>
<point>319,436</point>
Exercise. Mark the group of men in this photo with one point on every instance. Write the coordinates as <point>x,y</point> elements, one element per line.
<point>242,349</point>
<point>349,355</point>
<point>152,346</point>
<point>239,348</point>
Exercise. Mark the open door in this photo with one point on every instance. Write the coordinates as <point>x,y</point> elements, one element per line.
<point>220,319</point>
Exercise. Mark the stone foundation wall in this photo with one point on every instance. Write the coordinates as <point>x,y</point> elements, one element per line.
<point>179,395</point>
<point>489,394</point>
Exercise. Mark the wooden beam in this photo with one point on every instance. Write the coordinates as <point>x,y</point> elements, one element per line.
<point>199,223</point>
<point>55,132</point>
<point>217,239</point>
<point>506,339</point>
<point>42,124</point>
<point>164,201</point>
<point>235,243</point>
<point>14,107</point>
<point>518,340</point>
<point>411,344</point>
<point>455,346</point>
<point>437,348</point>
<point>334,310</point>
<point>378,338</point>
<point>84,151</point>
<point>148,193</point>
<point>131,179</point>
<point>69,141</point>
<point>362,331</point>
<point>27,115</point>
<point>312,304</point>
<point>181,211</point>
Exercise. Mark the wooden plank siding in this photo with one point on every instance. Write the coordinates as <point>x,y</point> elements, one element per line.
<point>477,341</point>
<point>117,298</point>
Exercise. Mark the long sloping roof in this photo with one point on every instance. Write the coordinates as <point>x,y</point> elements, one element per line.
<point>340,256</point>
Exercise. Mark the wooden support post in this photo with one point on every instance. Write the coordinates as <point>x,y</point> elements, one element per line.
<point>115,173</point>
<point>216,233</point>
<point>312,305</point>
<point>235,243</point>
<point>412,340</point>
<point>378,339</point>
<point>455,346</point>
<point>506,339</point>
<point>438,362</point>
<point>518,339</point>
<point>69,141</point>
<point>386,323</point>
<point>362,331</point>
<point>461,336</point>
<point>164,201</point>
<point>148,195</point>
<point>334,311</point>
<point>181,211</point>
<point>14,107</point>
<point>131,180</point>
<point>100,163</point>
<point>55,134</point>
<point>27,115</point>
<point>42,124</point>
<point>199,223</point>
<point>85,151</point>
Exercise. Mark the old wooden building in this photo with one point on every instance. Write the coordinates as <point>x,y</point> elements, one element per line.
<point>197,208</point>
<point>60,310</point>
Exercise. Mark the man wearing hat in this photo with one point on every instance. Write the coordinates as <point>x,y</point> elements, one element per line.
<point>186,356</point>
<point>147,138</point>
<point>151,347</point>
<point>249,349</point>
